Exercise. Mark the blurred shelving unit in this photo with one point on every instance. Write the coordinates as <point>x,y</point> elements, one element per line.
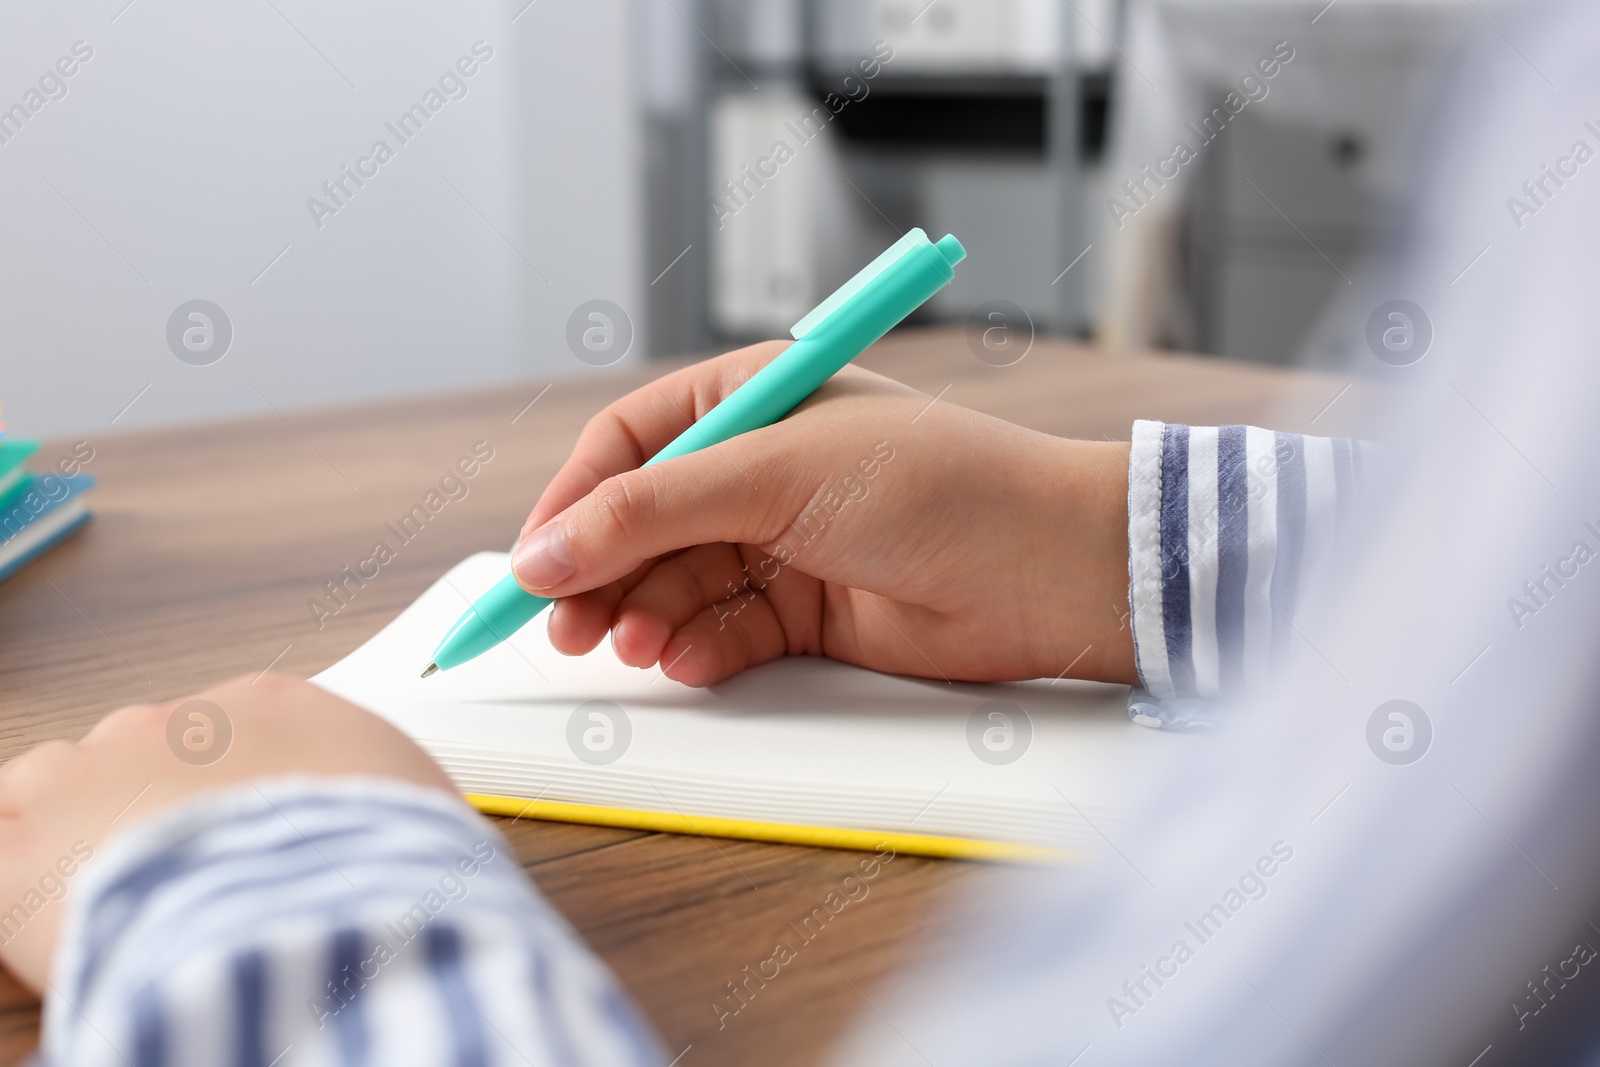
<point>794,139</point>
<point>818,131</point>
<point>1262,248</point>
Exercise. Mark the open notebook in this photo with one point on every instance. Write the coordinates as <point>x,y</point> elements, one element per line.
<point>802,750</point>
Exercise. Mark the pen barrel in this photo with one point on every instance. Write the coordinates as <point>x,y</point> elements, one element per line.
<point>802,368</point>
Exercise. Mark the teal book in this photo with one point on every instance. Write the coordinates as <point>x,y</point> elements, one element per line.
<point>51,509</point>
<point>14,476</point>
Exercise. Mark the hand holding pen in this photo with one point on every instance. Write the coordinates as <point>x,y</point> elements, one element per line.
<point>867,526</point>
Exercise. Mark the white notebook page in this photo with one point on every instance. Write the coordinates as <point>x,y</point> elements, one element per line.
<point>801,740</point>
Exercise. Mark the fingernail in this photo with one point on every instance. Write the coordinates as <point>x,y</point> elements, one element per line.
<point>544,558</point>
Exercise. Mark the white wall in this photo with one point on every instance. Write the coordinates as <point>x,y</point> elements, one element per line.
<point>179,164</point>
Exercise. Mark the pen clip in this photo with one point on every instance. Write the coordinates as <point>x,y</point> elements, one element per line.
<point>913,238</point>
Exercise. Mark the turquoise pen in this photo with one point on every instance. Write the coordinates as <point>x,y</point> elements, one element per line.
<point>832,334</point>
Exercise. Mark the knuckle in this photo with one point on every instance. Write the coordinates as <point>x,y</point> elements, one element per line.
<point>133,717</point>
<point>270,682</point>
<point>47,753</point>
<point>600,424</point>
<point>625,503</point>
<point>42,762</point>
<point>130,721</point>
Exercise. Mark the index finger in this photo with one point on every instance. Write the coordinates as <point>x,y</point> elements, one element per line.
<point>628,432</point>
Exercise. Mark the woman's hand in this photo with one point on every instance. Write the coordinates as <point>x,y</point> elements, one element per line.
<point>871,525</point>
<point>60,801</point>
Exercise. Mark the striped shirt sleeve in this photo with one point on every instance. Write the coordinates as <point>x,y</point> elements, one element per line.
<point>339,922</point>
<point>1223,525</point>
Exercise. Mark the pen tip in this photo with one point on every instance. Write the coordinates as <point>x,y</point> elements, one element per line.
<point>433,668</point>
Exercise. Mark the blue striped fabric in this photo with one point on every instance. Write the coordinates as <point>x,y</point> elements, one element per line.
<point>1223,525</point>
<point>1291,534</point>
<point>544,1002</point>
<point>1233,556</point>
<point>149,1028</point>
<point>443,944</point>
<point>344,965</point>
<point>1344,477</point>
<point>1175,608</point>
<point>325,921</point>
<point>249,1008</point>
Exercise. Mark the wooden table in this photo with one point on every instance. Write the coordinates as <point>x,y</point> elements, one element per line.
<point>208,542</point>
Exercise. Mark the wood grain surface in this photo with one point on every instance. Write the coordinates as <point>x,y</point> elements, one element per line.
<point>208,543</point>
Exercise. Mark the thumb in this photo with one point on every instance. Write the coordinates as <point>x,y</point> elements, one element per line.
<point>714,495</point>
